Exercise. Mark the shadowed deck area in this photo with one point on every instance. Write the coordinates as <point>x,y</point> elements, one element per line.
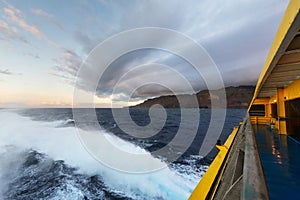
<point>280,161</point>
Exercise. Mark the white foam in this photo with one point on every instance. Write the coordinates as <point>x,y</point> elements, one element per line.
<point>10,160</point>
<point>63,144</point>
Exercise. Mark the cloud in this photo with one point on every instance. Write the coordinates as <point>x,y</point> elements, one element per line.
<point>67,65</point>
<point>7,72</point>
<point>50,18</point>
<point>87,43</point>
<point>11,32</point>
<point>16,16</point>
<point>126,16</point>
<point>55,104</point>
<point>141,74</point>
<point>244,44</point>
<point>230,31</point>
<point>36,56</point>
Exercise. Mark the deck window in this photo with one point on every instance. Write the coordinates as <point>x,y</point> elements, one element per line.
<point>257,110</point>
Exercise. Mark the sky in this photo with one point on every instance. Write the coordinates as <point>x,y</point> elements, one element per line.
<point>44,43</point>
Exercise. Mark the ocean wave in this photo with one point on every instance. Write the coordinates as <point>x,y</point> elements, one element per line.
<point>56,158</point>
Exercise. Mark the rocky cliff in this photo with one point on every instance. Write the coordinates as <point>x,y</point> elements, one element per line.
<point>236,97</point>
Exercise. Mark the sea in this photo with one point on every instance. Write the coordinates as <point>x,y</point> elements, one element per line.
<point>42,157</point>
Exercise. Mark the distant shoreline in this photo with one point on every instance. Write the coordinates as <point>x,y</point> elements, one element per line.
<point>236,97</point>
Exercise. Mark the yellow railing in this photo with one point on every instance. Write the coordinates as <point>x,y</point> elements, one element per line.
<point>209,182</point>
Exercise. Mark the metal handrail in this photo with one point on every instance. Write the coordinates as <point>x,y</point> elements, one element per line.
<point>254,184</point>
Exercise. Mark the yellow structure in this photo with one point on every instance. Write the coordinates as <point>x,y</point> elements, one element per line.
<point>276,99</point>
<point>211,177</point>
<point>276,102</point>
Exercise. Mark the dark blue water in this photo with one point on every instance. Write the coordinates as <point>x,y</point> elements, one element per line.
<point>46,166</point>
<point>141,117</point>
<point>280,159</point>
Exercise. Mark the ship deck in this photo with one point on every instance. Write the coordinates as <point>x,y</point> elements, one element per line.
<point>280,161</point>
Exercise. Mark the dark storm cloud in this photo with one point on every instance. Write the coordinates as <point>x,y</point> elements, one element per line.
<point>136,73</point>
<point>237,35</point>
<point>241,50</point>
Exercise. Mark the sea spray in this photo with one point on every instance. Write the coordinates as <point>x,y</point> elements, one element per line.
<point>63,144</point>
